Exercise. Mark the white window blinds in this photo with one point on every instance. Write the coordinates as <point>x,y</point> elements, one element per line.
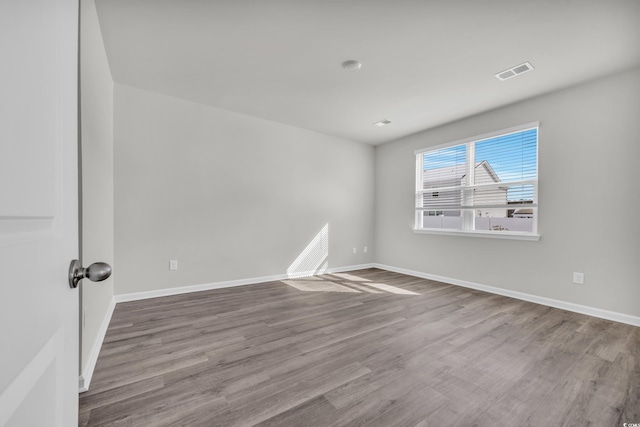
<point>486,184</point>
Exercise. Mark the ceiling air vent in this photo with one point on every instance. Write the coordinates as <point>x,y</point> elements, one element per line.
<point>514,71</point>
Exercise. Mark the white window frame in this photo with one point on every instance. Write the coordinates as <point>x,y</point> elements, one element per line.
<point>468,214</point>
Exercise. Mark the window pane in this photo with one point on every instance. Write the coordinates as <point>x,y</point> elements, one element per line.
<point>507,158</point>
<point>520,193</point>
<point>444,220</point>
<point>444,168</point>
<point>503,195</point>
<point>520,222</point>
<point>504,218</point>
<point>441,199</point>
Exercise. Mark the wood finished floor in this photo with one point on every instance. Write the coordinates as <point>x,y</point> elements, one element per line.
<point>360,353</point>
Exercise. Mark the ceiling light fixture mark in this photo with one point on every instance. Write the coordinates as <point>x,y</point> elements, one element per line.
<point>382,122</point>
<point>352,65</point>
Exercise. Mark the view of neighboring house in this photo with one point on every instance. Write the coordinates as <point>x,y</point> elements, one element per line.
<point>451,176</point>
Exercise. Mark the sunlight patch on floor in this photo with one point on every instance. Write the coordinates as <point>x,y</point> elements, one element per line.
<point>365,289</point>
<point>318,286</point>
<point>351,277</point>
<point>391,289</point>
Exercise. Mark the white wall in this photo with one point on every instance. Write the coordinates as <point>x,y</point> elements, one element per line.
<point>589,150</point>
<point>97,174</point>
<point>229,196</point>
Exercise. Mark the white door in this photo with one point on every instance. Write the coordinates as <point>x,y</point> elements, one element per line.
<point>38,212</point>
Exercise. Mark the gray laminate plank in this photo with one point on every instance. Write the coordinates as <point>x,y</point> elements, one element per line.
<point>262,405</point>
<point>314,412</point>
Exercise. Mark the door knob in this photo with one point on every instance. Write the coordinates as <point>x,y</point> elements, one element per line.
<point>96,272</point>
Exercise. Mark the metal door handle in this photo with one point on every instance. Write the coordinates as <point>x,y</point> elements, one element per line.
<point>96,272</point>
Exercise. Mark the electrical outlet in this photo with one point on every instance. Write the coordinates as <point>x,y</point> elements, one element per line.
<point>355,250</point>
<point>173,264</point>
<point>578,278</point>
<point>365,250</point>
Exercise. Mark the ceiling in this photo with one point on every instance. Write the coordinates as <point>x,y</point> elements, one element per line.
<point>424,62</point>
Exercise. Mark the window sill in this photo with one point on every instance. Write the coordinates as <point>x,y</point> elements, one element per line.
<point>486,234</point>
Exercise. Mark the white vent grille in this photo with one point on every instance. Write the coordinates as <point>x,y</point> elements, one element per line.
<point>514,71</point>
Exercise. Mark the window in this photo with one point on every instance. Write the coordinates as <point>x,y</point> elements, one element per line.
<point>484,186</point>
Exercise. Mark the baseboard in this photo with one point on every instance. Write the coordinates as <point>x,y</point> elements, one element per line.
<point>87,373</point>
<point>135,296</point>
<point>576,308</point>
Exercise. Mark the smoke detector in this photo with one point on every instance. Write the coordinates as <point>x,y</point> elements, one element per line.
<point>514,71</point>
<point>382,122</point>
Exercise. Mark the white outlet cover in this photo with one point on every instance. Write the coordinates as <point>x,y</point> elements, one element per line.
<point>173,264</point>
<point>578,278</point>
